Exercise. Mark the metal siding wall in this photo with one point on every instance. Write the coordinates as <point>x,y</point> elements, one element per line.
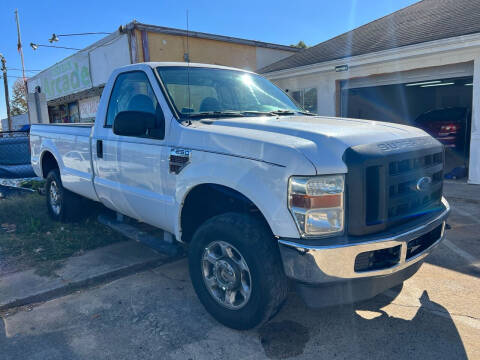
<point>166,47</point>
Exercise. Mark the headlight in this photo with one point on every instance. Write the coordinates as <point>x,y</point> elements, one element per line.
<point>317,204</point>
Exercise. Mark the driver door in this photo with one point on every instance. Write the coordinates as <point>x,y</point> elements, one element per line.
<point>128,168</point>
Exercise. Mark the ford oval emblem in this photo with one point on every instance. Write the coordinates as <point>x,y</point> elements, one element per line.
<point>423,183</point>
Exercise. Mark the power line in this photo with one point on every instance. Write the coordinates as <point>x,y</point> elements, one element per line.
<point>18,69</point>
<point>36,46</point>
<point>87,33</point>
<point>55,37</point>
<point>12,76</point>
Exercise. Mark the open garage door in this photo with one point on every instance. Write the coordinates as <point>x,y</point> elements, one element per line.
<point>440,106</point>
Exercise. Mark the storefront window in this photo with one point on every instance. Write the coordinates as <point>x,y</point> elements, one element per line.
<point>88,108</point>
<point>73,113</point>
<point>58,113</point>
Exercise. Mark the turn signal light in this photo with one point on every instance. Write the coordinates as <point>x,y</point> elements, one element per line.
<point>316,204</point>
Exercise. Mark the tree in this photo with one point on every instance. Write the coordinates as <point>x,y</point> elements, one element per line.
<point>300,45</point>
<point>18,104</point>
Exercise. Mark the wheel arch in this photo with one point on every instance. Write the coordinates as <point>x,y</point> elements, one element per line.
<point>48,162</point>
<point>206,200</point>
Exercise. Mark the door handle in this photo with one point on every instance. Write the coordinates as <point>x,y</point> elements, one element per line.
<point>99,149</point>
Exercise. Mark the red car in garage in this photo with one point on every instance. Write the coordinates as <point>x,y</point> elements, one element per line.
<point>447,125</point>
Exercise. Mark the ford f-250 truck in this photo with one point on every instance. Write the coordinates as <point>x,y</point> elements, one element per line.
<point>261,191</point>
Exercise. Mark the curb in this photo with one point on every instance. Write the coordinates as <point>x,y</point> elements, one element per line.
<point>63,287</point>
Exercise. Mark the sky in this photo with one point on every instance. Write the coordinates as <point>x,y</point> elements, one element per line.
<point>275,21</point>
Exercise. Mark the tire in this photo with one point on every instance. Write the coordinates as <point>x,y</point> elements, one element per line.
<point>251,243</point>
<point>62,204</point>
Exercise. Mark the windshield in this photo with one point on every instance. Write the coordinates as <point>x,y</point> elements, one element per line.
<point>200,92</point>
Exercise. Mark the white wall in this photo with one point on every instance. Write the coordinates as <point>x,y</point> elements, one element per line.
<point>325,90</point>
<point>104,59</point>
<point>474,169</point>
<point>17,122</point>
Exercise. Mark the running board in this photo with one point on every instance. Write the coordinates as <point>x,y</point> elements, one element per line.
<point>164,243</point>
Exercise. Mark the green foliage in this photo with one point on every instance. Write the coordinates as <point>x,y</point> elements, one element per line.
<point>300,45</point>
<point>33,184</point>
<point>18,103</point>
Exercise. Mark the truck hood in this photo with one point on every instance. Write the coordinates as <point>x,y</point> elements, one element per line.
<point>322,140</point>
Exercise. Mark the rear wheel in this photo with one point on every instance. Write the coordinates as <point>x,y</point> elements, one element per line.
<point>236,270</point>
<point>62,204</point>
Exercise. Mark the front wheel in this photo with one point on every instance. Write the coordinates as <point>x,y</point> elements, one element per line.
<point>236,270</point>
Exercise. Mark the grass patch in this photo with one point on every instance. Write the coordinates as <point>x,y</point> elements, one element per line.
<point>28,234</point>
<point>34,184</point>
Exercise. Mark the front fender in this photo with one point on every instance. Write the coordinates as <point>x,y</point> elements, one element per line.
<point>264,184</point>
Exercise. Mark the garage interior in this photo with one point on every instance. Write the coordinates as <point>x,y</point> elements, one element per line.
<point>441,106</point>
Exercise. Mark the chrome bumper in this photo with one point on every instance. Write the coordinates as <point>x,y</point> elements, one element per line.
<point>333,263</point>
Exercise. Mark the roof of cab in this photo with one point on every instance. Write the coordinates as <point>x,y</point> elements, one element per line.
<point>154,65</point>
<point>185,64</point>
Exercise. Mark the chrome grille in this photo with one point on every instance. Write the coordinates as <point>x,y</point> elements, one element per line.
<point>386,188</point>
<point>404,199</point>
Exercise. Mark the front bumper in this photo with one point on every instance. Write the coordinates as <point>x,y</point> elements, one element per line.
<point>318,265</point>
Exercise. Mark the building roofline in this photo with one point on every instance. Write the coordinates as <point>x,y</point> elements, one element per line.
<point>417,23</point>
<point>201,35</point>
<point>398,53</point>
<point>351,31</point>
<point>172,31</point>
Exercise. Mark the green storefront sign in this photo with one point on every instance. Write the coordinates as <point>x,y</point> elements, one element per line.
<point>69,76</point>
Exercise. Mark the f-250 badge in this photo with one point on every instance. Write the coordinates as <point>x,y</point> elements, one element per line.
<point>179,158</point>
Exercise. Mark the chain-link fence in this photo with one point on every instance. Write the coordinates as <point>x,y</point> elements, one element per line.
<point>15,155</point>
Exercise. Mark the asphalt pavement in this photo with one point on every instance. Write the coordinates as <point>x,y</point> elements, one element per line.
<point>155,315</point>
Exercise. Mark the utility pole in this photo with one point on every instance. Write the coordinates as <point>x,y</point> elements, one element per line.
<point>20,50</point>
<point>5,83</point>
<point>19,46</point>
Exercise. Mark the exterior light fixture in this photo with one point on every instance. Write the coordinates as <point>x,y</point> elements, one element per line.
<point>341,68</point>
<point>54,38</point>
<point>36,46</point>
<point>441,84</point>
<point>424,83</point>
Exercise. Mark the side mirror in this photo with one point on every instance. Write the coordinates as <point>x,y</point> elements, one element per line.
<point>133,123</point>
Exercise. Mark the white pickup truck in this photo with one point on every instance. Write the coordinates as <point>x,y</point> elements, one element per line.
<point>261,191</point>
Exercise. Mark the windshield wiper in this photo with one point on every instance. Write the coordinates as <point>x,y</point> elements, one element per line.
<point>214,114</point>
<point>232,113</point>
<point>306,113</point>
<point>255,113</point>
<point>291,112</point>
<point>282,112</point>
<point>278,112</point>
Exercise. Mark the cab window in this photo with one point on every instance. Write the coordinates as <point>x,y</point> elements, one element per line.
<point>132,92</point>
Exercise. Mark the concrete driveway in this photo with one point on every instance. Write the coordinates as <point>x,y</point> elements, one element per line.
<point>156,315</point>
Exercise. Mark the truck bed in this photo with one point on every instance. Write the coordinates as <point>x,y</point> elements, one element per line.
<point>70,145</point>
<point>81,129</point>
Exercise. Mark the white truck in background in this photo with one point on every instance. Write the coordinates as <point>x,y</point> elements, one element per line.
<point>259,190</point>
